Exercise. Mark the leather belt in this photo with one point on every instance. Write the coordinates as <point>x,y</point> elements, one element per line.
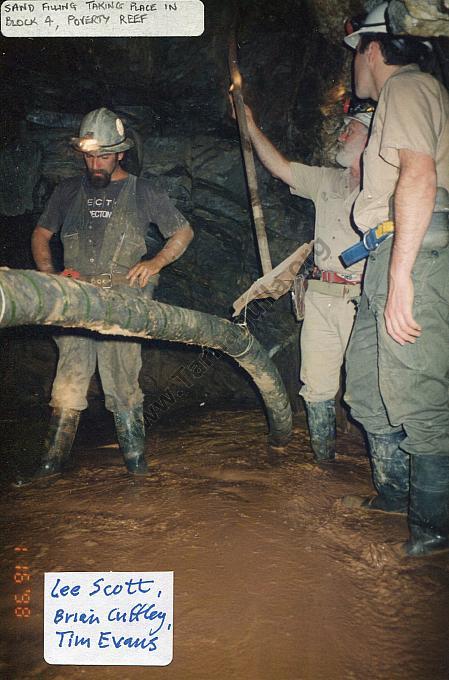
<point>105,280</point>
<point>333,277</point>
<point>343,291</point>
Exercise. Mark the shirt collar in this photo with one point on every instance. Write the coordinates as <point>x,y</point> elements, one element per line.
<point>408,68</point>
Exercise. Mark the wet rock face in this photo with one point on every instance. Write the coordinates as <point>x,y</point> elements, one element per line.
<point>420,17</point>
<point>172,96</point>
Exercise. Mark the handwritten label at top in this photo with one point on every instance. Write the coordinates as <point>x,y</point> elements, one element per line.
<point>110,618</point>
<point>89,18</point>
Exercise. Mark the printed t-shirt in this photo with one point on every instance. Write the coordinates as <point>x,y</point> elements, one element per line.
<point>154,209</point>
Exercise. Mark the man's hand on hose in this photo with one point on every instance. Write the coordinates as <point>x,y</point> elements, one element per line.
<point>401,325</point>
<point>174,248</point>
<point>142,271</point>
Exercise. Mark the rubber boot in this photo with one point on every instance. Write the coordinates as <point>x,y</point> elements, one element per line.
<point>61,434</point>
<point>131,436</point>
<point>322,428</point>
<point>58,445</point>
<point>429,505</point>
<point>390,468</point>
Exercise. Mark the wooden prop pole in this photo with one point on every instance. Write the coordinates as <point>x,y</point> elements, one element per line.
<point>248,159</point>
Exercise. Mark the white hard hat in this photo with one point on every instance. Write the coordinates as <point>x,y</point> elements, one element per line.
<point>364,118</point>
<point>361,110</point>
<point>375,22</point>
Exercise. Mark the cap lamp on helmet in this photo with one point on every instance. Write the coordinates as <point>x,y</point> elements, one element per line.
<point>359,110</point>
<point>101,132</point>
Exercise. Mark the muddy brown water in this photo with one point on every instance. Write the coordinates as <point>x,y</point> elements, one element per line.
<point>274,579</point>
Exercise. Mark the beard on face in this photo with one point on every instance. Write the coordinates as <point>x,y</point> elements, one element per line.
<point>350,152</point>
<point>99,179</point>
<point>345,157</point>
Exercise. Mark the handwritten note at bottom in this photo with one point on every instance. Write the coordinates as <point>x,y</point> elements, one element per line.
<point>108,618</point>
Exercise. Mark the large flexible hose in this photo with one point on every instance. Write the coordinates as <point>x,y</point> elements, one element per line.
<point>30,297</point>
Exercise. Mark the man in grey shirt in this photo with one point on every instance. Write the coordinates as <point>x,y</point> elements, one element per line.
<point>105,220</point>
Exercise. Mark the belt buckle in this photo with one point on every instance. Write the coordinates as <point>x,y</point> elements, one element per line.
<point>351,280</point>
<point>369,247</point>
<point>104,280</point>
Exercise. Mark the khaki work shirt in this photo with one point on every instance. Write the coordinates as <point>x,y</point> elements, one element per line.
<point>328,188</point>
<point>412,113</point>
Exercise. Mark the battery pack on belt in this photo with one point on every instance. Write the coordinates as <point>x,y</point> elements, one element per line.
<point>370,241</point>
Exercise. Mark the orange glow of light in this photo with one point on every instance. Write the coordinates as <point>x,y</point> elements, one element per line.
<point>336,94</point>
<point>87,145</point>
<point>236,79</point>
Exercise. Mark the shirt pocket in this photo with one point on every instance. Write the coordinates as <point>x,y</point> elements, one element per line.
<point>71,245</point>
<point>129,252</point>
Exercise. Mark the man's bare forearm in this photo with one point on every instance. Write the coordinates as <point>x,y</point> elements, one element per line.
<point>274,161</point>
<point>175,246</point>
<point>413,205</point>
<point>40,247</point>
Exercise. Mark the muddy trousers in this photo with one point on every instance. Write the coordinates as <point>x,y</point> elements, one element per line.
<point>404,390</point>
<point>119,363</point>
<point>394,388</point>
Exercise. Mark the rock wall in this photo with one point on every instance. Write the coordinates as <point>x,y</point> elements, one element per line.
<point>420,17</point>
<point>172,95</point>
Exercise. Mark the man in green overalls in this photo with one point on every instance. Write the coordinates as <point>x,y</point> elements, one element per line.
<point>398,356</point>
<point>105,220</point>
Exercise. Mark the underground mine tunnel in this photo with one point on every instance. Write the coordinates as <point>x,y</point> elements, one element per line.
<point>274,577</point>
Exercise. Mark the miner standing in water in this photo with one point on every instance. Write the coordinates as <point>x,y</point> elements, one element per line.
<point>105,219</point>
<point>398,357</point>
<point>329,307</point>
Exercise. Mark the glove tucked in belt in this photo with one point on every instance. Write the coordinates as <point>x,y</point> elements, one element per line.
<point>323,282</point>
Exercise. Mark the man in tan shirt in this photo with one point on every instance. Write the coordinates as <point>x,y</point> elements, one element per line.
<point>329,307</point>
<point>398,357</point>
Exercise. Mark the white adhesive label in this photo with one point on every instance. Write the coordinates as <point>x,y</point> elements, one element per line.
<point>110,618</point>
<point>88,18</point>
